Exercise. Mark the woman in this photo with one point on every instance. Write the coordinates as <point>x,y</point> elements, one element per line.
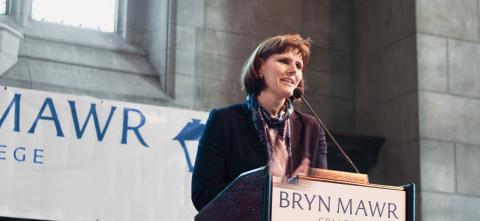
<point>263,130</point>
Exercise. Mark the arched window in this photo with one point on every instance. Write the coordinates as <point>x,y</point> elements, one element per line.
<point>3,7</point>
<point>90,14</point>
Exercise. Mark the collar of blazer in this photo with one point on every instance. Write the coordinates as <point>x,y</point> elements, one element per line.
<point>296,123</point>
<point>295,116</point>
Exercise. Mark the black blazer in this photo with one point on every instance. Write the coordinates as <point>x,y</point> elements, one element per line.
<point>230,146</point>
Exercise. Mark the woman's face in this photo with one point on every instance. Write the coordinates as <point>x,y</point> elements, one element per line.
<point>282,73</point>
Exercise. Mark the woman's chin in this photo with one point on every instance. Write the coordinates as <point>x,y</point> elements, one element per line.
<point>283,92</point>
<point>288,93</point>
<point>290,90</point>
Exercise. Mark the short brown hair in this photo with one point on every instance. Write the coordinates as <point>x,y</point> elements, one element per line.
<point>252,82</point>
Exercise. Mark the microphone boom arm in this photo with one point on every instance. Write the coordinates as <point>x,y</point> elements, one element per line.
<point>330,135</point>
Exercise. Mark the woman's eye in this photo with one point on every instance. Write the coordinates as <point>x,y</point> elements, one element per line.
<point>283,61</point>
<point>299,65</point>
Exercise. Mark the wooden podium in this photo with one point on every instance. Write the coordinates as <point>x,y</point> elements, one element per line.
<point>324,195</point>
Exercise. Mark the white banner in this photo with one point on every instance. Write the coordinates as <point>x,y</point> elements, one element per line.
<point>65,157</point>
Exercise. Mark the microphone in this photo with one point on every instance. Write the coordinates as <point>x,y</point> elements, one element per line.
<point>298,93</point>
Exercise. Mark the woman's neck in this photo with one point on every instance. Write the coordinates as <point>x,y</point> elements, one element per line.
<point>270,102</point>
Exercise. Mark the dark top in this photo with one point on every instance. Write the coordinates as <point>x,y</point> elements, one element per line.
<point>230,146</point>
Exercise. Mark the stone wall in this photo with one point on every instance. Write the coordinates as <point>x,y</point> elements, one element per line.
<point>449,98</point>
<point>188,53</point>
<point>211,39</point>
<point>386,102</point>
<point>417,84</point>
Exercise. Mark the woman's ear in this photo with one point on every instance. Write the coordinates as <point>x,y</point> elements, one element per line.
<point>260,68</point>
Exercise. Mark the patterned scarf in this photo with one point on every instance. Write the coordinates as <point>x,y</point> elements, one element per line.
<point>263,122</point>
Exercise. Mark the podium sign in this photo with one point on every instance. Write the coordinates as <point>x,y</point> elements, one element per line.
<point>323,196</point>
<point>311,200</point>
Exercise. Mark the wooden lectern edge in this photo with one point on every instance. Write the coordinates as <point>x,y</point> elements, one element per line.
<point>341,177</point>
<point>338,175</point>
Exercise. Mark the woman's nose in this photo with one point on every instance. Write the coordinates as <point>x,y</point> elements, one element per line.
<point>292,69</point>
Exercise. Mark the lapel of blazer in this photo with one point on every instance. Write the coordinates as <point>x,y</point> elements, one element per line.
<point>250,131</point>
<point>296,129</point>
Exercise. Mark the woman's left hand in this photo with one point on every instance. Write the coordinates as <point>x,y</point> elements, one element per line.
<point>302,169</point>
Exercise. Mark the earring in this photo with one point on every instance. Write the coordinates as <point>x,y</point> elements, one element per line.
<point>260,75</point>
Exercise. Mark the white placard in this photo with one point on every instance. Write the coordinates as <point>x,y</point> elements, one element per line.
<point>325,201</point>
<point>65,157</point>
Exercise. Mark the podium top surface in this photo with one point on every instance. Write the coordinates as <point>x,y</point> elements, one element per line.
<point>334,176</point>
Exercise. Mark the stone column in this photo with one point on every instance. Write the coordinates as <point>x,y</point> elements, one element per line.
<point>417,74</point>
<point>386,86</point>
<point>449,99</point>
